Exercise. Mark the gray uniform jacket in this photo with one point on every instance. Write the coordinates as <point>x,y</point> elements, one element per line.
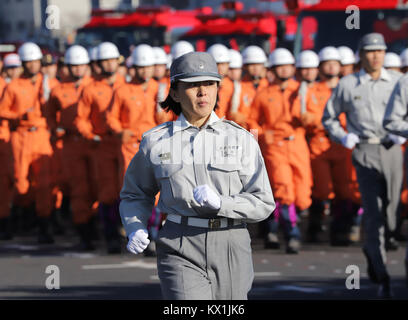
<point>175,157</point>
<point>364,101</point>
<point>396,115</point>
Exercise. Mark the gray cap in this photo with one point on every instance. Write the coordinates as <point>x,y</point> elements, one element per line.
<point>194,67</point>
<point>372,41</point>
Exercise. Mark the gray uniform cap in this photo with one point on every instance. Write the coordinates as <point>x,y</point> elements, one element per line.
<point>194,67</point>
<point>372,41</point>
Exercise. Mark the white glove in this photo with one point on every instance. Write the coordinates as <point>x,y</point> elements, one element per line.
<point>206,197</point>
<point>397,139</point>
<point>350,140</point>
<point>138,241</point>
<point>97,138</point>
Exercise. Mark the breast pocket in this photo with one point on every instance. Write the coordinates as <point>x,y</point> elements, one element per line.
<point>361,112</point>
<point>225,177</point>
<point>168,175</point>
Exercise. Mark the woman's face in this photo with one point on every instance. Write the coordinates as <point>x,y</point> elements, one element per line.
<point>197,99</point>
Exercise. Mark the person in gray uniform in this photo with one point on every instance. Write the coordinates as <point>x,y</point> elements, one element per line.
<point>212,181</point>
<point>377,155</point>
<point>396,122</point>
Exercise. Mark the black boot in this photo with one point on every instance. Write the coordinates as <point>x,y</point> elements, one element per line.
<point>5,229</point>
<point>316,214</point>
<point>110,217</point>
<point>93,228</point>
<point>84,233</point>
<point>57,227</point>
<point>29,220</point>
<point>341,222</point>
<point>44,236</point>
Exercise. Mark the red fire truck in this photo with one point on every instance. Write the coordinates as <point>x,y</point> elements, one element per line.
<point>157,26</point>
<point>324,22</point>
<point>237,28</point>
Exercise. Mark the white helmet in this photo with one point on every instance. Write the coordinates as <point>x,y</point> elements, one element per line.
<point>12,60</point>
<point>346,55</point>
<point>235,59</point>
<point>181,47</point>
<point>93,53</point>
<point>219,52</point>
<point>160,56</point>
<point>404,58</point>
<point>307,59</point>
<point>143,56</point>
<point>107,50</point>
<point>76,55</point>
<point>253,54</point>
<point>29,51</point>
<point>280,56</point>
<point>329,53</point>
<point>392,60</point>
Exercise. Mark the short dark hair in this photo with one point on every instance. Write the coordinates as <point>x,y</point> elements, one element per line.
<point>170,105</point>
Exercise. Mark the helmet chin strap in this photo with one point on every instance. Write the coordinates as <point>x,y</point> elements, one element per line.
<point>76,78</point>
<point>330,76</point>
<point>108,73</point>
<point>283,79</point>
<point>30,74</point>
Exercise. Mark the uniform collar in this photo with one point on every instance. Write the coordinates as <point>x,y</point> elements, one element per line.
<point>181,123</point>
<point>364,76</point>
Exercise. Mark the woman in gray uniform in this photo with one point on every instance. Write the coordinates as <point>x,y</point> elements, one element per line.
<point>212,181</point>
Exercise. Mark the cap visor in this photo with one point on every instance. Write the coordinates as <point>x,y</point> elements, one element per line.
<point>374,47</point>
<point>200,78</point>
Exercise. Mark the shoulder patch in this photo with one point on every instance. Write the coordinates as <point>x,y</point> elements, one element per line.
<point>236,125</point>
<point>157,128</point>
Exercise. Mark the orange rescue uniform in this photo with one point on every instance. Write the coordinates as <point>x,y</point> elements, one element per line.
<point>225,91</point>
<point>244,93</point>
<point>276,116</point>
<point>133,109</point>
<point>6,160</point>
<point>76,153</point>
<point>328,159</point>
<point>91,121</point>
<point>22,103</point>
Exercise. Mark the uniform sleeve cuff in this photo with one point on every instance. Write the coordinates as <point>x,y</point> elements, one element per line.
<point>227,205</point>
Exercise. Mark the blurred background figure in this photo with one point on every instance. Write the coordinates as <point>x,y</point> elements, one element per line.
<point>95,67</point>
<point>221,55</point>
<point>285,150</point>
<point>307,65</point>
<point>49,65</point>
<point>122,70</point>
<point>392,61</point>
<point>12,67</point>
<point>404,61</point>
<point>347,61</point>
<point>179,48</point>
<point>91,123</point>
<point>235,66</point>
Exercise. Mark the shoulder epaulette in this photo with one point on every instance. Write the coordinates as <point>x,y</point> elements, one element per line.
<point>157,128</point>
<point>236,125</point>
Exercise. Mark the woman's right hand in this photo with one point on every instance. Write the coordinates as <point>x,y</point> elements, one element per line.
<point>138,241</point>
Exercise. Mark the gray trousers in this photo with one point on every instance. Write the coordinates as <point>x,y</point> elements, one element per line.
<point>379,174</point>
<point>198,263</point>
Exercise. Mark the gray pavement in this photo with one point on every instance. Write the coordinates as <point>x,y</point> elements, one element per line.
<point>318,272</point>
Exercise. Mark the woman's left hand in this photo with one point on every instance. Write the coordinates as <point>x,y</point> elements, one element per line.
<point>207,197</point>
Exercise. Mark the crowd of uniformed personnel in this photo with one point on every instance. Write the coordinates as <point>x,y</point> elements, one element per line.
<point>70,127</point>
